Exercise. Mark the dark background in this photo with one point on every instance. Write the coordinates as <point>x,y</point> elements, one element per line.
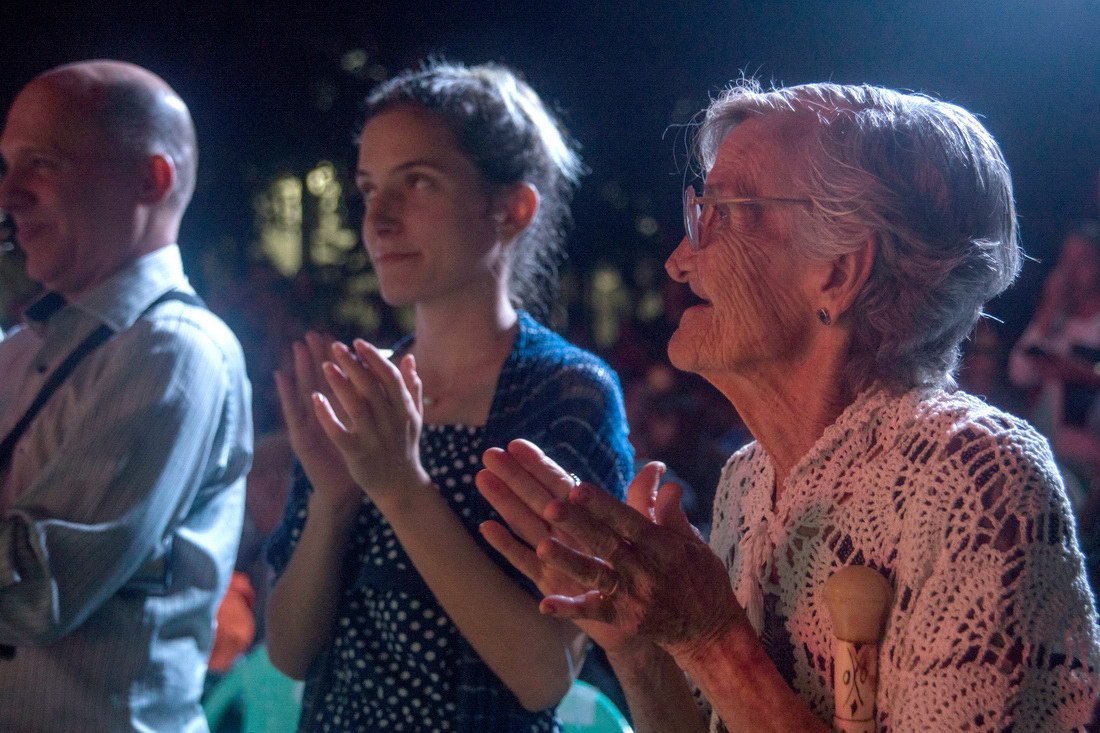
<point>268,87</point>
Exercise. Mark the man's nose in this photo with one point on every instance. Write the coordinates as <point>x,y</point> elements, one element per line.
<point>13,197</point>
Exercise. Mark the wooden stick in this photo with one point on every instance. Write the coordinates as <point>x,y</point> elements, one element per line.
<point>858,598</point>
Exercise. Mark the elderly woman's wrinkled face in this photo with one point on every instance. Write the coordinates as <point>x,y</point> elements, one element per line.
<point>756,313</point>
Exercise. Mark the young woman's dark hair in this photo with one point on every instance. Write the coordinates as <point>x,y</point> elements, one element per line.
<point>502,125</point>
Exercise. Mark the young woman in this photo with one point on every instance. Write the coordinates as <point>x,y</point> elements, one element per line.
<point>388,602</point>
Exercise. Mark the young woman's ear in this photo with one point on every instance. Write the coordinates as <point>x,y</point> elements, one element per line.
<point>516,210</point>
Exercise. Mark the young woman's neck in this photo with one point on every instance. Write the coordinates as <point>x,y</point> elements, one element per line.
<point>454,336</point>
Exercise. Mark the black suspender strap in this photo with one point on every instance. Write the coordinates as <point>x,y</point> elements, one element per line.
<point>87,346</point>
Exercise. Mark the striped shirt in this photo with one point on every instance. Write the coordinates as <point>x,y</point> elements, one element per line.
<point>120,510</point>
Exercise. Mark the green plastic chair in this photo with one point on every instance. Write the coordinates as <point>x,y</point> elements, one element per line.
<point>271,702</point>
<point>585,709</point>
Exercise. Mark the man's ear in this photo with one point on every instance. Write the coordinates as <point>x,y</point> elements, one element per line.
<point>158,178</point>
<point>844,278</point>
<point>515,209</point>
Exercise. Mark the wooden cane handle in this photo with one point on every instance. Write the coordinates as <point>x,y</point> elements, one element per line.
<point>855,678</point>
<point>858,599</point>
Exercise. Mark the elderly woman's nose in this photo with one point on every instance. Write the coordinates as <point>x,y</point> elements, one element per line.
<point>680,261</point>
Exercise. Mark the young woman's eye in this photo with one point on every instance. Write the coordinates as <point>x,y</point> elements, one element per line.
<point>419,182</point>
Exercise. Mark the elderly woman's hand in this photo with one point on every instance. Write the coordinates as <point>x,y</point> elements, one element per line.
<point>519,483</point>
<point>651,576</point>
<point>619,570</point>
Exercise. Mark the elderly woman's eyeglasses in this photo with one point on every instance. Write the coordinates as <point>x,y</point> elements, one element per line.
<point>694,203</point>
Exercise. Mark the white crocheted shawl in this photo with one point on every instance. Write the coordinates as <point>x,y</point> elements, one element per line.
<point>961,507</point>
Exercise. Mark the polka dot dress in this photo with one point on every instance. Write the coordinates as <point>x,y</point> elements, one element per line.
<point>397,662</point>
<point>393,662</point>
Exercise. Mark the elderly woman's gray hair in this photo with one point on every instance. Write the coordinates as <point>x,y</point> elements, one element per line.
<point>926,180</point>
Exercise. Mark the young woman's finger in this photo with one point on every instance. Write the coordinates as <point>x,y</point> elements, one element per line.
<point>336,431</point>
<point>387,375</point>
<point>355,405</point>
<point>288,399</point>
<point>361,379</point>
<point>412,382</point>
<point>305,375</point>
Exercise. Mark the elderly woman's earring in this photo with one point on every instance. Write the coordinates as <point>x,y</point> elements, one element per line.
<point>824,317</point>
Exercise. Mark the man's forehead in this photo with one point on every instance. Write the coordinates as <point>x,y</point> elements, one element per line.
<point>42,114</point>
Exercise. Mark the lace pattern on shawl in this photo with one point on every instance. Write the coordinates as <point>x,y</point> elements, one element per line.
<point>960,506</point>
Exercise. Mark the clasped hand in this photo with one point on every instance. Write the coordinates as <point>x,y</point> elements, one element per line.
<point>354,421</point>
<point>621,571</point>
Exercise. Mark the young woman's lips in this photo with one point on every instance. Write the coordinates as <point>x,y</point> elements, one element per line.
<point>393,258</point>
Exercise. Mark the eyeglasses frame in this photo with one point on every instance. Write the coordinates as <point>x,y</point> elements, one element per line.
<point>694,203</point>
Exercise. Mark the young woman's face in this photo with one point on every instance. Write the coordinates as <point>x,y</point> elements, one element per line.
<point>429,223</point>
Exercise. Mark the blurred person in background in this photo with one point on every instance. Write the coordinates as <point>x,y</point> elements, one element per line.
<point>983,369</point>
<point>1057,357</point>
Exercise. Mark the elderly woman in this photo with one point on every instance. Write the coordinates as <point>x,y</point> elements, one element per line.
<point>844,244</point>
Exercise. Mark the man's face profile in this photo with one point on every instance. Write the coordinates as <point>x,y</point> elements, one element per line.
<point>65,187</point>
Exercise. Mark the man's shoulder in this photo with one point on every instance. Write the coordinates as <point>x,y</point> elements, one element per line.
<point>188,326</point>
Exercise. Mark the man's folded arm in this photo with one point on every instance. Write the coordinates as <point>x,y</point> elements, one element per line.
<point>130,464</point>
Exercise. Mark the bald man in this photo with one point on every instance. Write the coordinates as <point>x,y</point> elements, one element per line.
<point>124,415</point>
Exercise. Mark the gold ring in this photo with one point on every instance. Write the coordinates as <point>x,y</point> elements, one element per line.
<point>613,591</point>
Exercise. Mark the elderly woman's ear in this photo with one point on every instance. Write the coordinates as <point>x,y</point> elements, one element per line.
<point>841,280</point>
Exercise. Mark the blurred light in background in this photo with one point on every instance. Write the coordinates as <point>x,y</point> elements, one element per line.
<point>609,301</point>
<point>279,222</point>
<point>329,241</point>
